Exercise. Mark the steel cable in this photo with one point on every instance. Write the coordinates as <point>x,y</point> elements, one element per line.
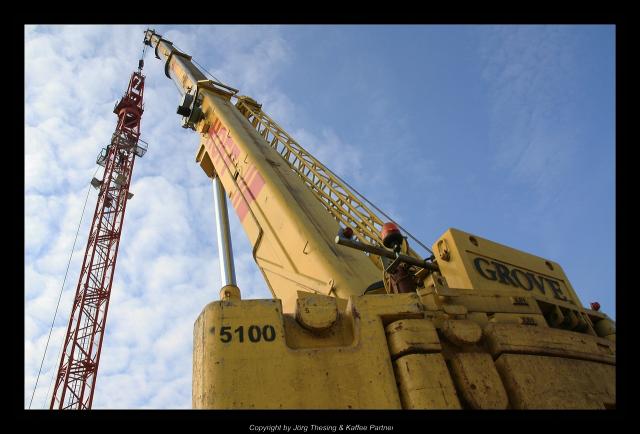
<point>60,297</point>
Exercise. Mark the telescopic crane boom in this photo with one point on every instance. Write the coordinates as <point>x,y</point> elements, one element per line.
<point>260,167</point>
<point>358,319</point>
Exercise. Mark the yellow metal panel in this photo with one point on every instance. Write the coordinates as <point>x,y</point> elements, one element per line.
<point>471,262</point>
<point>541,382</point>
<point>488,302</point>
<point>412,336</point>
<point>508,338</point>
<point>230,364</point>
<point>605,327</point>
<point>535,320</point>
<point>425,383</point>
<point>478,381</point>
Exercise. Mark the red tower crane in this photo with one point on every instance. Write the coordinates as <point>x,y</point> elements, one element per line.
<point>76,377</point>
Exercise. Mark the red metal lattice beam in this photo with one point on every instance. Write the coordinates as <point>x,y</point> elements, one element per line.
<point>76,378</point>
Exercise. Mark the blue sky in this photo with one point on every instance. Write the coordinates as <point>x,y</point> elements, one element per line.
<point>503,131</point>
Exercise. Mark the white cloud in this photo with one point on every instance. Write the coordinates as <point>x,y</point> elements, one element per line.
<point>529,72</point>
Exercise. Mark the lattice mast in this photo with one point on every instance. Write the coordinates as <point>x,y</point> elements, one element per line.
<point>76,377</point>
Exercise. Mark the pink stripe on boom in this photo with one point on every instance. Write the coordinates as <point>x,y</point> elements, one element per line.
<point>249,188</point>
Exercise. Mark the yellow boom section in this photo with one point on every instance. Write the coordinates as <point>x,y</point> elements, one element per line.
<point>291,233</point>
<point>333,193</point>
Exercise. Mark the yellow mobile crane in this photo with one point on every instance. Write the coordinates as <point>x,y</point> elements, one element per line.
<point>358,319</point>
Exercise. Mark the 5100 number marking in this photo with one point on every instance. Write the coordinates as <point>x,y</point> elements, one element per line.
<point>254,333</point>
